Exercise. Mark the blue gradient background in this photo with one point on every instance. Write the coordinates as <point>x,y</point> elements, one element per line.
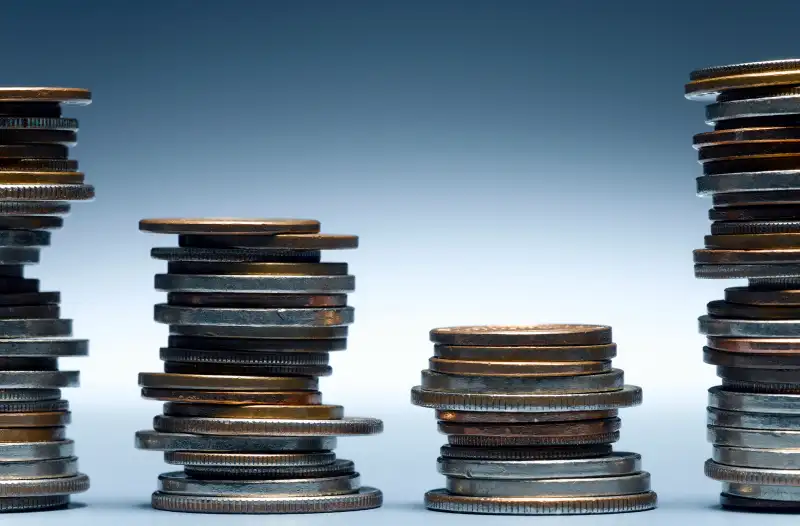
<point>503,162</point>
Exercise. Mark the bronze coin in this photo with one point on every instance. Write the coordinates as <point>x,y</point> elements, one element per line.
<point>524,335</point>
<point>229,226</point>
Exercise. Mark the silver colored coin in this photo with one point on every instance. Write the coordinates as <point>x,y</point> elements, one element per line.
<point>24,238</point>
<point>749,328</point>
<point>178,483</point>
<point>19,255</point>
<point>44,487</point>
<point>747,475</point>
<point>610,381</point>
<point>524,453</point>
<point>39,379</point>
<point>50,347</point>
<point>757,361</point>
<point>765,270</point>
<point>36,208</point>
<point>39,469</point>
<point>337,468</point>
<point>235,255</point>
<point>246,300</point>
<point>742,420</point>
<point>748,108</point>
<point>316,317</point>
<point>242,427</point>
<point>365,498</point>
<point>759,387</point>
<point>574,487</point>
<point>28,395</point>
<point>35,328</point>
<point>757,458</point>
<point>47,192</point>
<point>247,370</point>
<point>22,504</point>
<point>442,500</point>
<point>153,440</point>
<point>45,406</point>
<point>265,333</point>
<point>780,283</point>
<point>754,227</point>
<point>755,438</point>
<point>769,197</point>
<point>29,298</point>
<point>261,345</point>
<point>744,503</point>
<point>35,451</point>
<point>584,353</point>
<point>209,459</point>
<point>254,283</point>
<point>615,464</point>
<point>533,440</point>
<point>749,296</point>
<point>29,311</point>
<point>765,492</point>
<point>748,182</point>
<point>38,123</point>
<point>247,358</point>
<point>765,376</point>
<point>533,431</point>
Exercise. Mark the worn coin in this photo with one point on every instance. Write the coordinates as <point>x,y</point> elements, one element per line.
<point>525,453</point>
<point>724,309</point>
<point>33,151</point>
<point>257,269</point>
<point>755,296</point>
<point>22,504</point>
<point>746,135</point>
<point>337,468</point>
<point>754,213</point>
<point>247,370</point>
<point>574,487</point>
<point>33,434</point>
<point>55,347</point>
<point>740,328</point>
<point>44,487</point>
<point>490,368</point>
<point>564,353</point>
<point>767,346</point>
<point>179,483</point>
<point>756,438</point>
<point>615,464</point>
<point>29,311</point>
<point>47,192</point>
<point>316,317</point>
<point>747,182</point>
<point>763,491</point>
<point>304,412</point>
<point>746,257</point>
<point>153,440</point>
<point>610,381</point>
<point>231,332</point>
<point>280,241</point>
<point>29,298</point>
<point>267,301</point>
<point>742,420</point>
<point>757,458</point>
<point>43,406</point>
<point>234,254</point>
<point>531,441</point>
<point>211,459</point>
<point>758,361</point>
<point>48,419</point>
<point>755,227</point>
<point>776,403</point>
<point>248,358</point>
<point>226,383</point>
<point>485,417</point>
<point>75,96</point>
<point>39,379</point>
<point>532,430</point>
<point>28,395</point>
<point>24,238</point>
<point>765,376</point>
<point>747,475</point>
<point>267,426</point>
<point>32,451</point>
<point>531,335</point>
<point>747,271</point>
<point>14,122</point>
<point>233,397</point>
<point>254,283</point>
<point>761,198</point>
<point>755,107</point>
<point>39,469</point>
<point>234,226</point>
<point>311,343</point>
<point>35,328</point>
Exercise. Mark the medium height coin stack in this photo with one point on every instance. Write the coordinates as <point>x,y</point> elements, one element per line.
<point>751,169</point>
<point>530,414</point>
<point>253,314</point>
<point>38,467</point>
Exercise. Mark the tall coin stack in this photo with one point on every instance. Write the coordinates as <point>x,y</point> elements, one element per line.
<point>751,169</point>
<point>530,414</point>
<point>38,467</point>
<point>253,314</point>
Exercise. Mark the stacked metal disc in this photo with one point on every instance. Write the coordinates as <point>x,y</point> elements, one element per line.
<point>751,169</point>
<point>530,415</point>
<point>38,467</point>
<point>253,316</point>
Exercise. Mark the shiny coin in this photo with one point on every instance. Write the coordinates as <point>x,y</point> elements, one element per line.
<point>610,381</point>
<point>534,431</point>
<point>226,383</point>
<point>525,453</point>
<point>247,358</point>
<point>573,487</point>
<point>756,438</point>
<point>38,136</point>
<point>740,328</point>
<point>744,181</point>
<point>757,458</point>
<point>39,469</point>
<point>281,241</point>
<point>758,361</point>
<point>50,419</point>
<point>746,257</point>
<point>746,68</point>
<point>754,402</point>
<point>485,417</point>
<point>546,335</point>
<point>229,226</point>
<point>33,434</point>
<point>298,412</point>
<point>565,353</point>
<point>208,459</point>
<point>47,192</point>
<point>754,296</point>
<point>744,503</point>
<point>768,197</point>
<point>63,95</point>
<point>254,283</point>
<point>267,427</point>
<point>153,440</point>
<point>230,332</point>
<point>337,468</point>
<point>28,395</point>
<point>257,269</point>
<point>264,301</point>
<point>755,345</point>
<point>233,397</point>
<point>234,254</point>
<point>178,483</point>
<point>44,486</point>
<point>614,464</point>
<point>703,89</point>
<point>39,379</point>
<point>724,309</point>
<point>32,451</point>
<point>482,368</point>
<point>756,107</point>
<point>55,347</point>
<point>765,492</point>
<point>317,317</point>
<point>247,370</point>
<point>745,475</point>
<point>741,420</point>
<point>531,441</point>
<point>318,340</point>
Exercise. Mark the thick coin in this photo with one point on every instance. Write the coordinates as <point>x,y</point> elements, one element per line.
<point>29,298</point>
<point>153,440</point>
<point>756,438</point>
<point>35,328</point>
<point>753,241</point>
<point>543,430</point>
<point>573,487</point>
<point>39,469</point>
<point>740,328</point>
<point>24,363</point>
<point>746,271</point>
<point>298,412</point>
<point>312,343</point>
<point>24,238</point>
<point>23,504</point>
<point>484,417</point>
<point>610,381</point>
<point>51,347</point>
<point>47,192</point>
<point>365,498</point>
<point>531,441</point>
<point>32,451</point>
<point>747,181</point>
<point>764,492</point>
<point>267,427</point>
<point>226,383</point>
<point>209,459</point>
<point>49,419</point>
<point>33,434</point>
<point>565,353</point>
<point>755,227</point>
<point>254,283</point>
<point>745,503</point>
<point>337,468</point>
<point>247,358</point>
<point>532,335</point>
<point>741,420</point>
<point>39,379</point>
<point>247,370</point>
<point>179,483</point>
<point>779,283</point>
<point>233,333</point>
<point>484,368</point>
<point>16,285</point>
<point>29,311</point>
<point>757,458</point>
<point>44,406</point>
<point>755,213</point>
<point>38,136</point>
<point>229,226</point>
<point>257,269</point>
<point>525,453</point>
<point>264,301</point>
<point>746,257</point>
<point>755,296</point>
<point>75,96</point>
<point>747,475</point>
<point>754,402</point>
<point>280,241</point>
<point>724,309</point>
<point>628,396</point>
<point>757,107</point>
<point>615,464</point>
<point>769,197</point>
<point>316,317</point>
<point>44,487</point>
<point>235,254</point>
<point>30,222</point>
<point>761,376</point>
<point>759,387</point>
<point>19,255</point>
<point>13,122</point>
<point>192,396</point>
<point>703,89</point>
<point>758,361</point>
<point>442,500</point>
<point>52,171</point>
<point>29,395</point>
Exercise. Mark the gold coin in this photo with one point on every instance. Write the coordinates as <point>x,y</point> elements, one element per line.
<point>49,419</point>
<point>296,412</point>
<point>487,417</point>
<point>229,226</point>
<point>26,177</point>
<point>485,368</point>
<point>704,88</point>
<point>258,269</point>
<point>33,434</point>
<point>64,95</point>
<point>234,397</point>
<point>226,383</point>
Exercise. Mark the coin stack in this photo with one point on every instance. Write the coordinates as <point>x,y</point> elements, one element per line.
<point>38,467</point>
<point>751,169</point>
<point>530,414</point>
<point>253,314</point>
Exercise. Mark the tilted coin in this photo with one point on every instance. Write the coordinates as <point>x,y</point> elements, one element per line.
<point>22,504</point>
<point>19,255</point>
<point>442,500</point>
<point>249,358</point>
<point>365,498</point>
<point>316,317</point>
<point>485,417</point>
<point>210,459</point>
<point>756,107</point>
<point>30,222</point>
<point>756,438</point>
<point>746,68</point>
<point>304,412</point>
<point>39,469</point>
<point>742,420</point>
<point>24,238</point>
<point>751,296</point>
<point>628,396</point>
<point>33,434</point>
<point>565,353</point>
<point>39,379</point>
<point>153,440</point>
<point>525,453</point>
<point>724,309</point>
<point>487,368</point>
<point>755,227</point>
<point>31,451</point>
<point>47,192</point>
<point>755,213</point>
<point>741,328</point>
<point>760,198</point>
<point>234,226</point>
<point>254,283</point>
<point>178,483</point>
<point>42,406</point>
<point>266,301</point>
<point>247,370</point>
<point>746,257</point>
<point>228,268</point>
<point>531,335</point>
<point>28,395</point>
<point>45,486</point>
<point>615,464</point>
<point>48,419</point>
<point>77,96</point>
<point>533,431</point>
<point>763,491</point>
<point>230,332</point>
<point>747,475</point>
<point>573,487</point>
<point>758,361</point>
<point>746,182</point>
<point>757,458</point>
<point>233,397</point>
<point>763,270</point>
<point>337,468</point>
<point>766,376</point>
<point>747,503</point>
<point>600,382</point>
<point>56,347</point>
<point>267,427</point>
<point>754,402</point>
<point>531,441</point>
<point>234,254</point>
<point>315,340</point>
<point>38,136</point>
<point>226,383</point>
<point>282,241</point>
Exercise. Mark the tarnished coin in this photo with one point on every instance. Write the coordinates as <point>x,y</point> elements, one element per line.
<point>48,419</point>
<point>316,317</point>
<point>226,383</point>
<point>755,227</point>
<point>531,441</point>
<point>227,268</point>
<point>234,254</point>
<point>33,434</point>
<point>485,368</point>
<point>75,96</point>
<point>43,406</point>
<point>44,486</point>
<point>231,333</point>
<point>254,283</point>
<point>754,375</point>
<point>525,453</point>
<point>210,459</point>
<point>153,440</point>
<point>758,361</point>
<point>29,298</point>
<point>192,396</point>
<point>755,438</point>
<point>742,420</point>
<point>564,353</point>
<point>775,403</point>
<point>39,469</point>
<point>543,431</point>
<point>531,335</point>
<point>39,379</point>
<point>747,475</point>
<point>765,150</point>
<point>485,417</point>
<point>747,271</point>
<point>757,458</point>
<point>267,426</point>
<point>610,381</point>
<point>29,311</point>
<point>247,358</point>
<point>19,255</point>
<point>280,241</point>
<point>747,257</point>
<point>615,464</point>
<point>316,340</point>
<point>25,363</point>
<point>759,198</point>
<point>755,296</point>
<point>755,345</point>
<point>179,483</point>
<point>247,370</point>
<point>724,309</point>
<point>30,222</point>
<point>33,151</point>
<point>229,226</point>
<point>755,213</point>
<point>763,491</point>
<point>23,504</point>
<point>337,468</point>
<point>53,121</point>
<point>574,487</point>
<point>297,412</point>
<point>753,241</point>
<point>47,192</point>
<point>746,135</point>
<point>741,328</point>
<point>55,347</point>
<point>38,136</point>
<point>29,395</point>
<point>24,238</point>
<point>35,328</point>
<point>264,301</point>
<point>32,451</point>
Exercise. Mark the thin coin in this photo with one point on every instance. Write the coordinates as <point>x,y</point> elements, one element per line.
<point>36,176</point>
<point>226,383</point>
<point>775,403</point>
<point>39,469</point>
<point>278,284</point>
<point>485,417</point>
<point>754,227</point>
<point>745,68</point>
<point>311,344</point>
<point>754,213</point>
<point>746,257</point>
<point>76,96</point>
<point>33,434</point>
<point>758,361</point>
<point>29,395</point>
<point>52,122</point>
<point>531,335</point>
<point>44,487</point>
<point>38,136</point>
<point>243,255</point>
<point>754,296</point>
<point>52,347</point>
<point>744,181</point>
<point>267,301</point>
<point>233,397</point>
<point>280,241</point>
<point>12,285</point>
<point>702,89</point>
<point>24,238</point>
<point>538,430</point>
<point>724,309</point>
<point>296,412</point>
<point>756,438</point>
<point>229,226</point>
<point>337,468</point>
<point>508,454</point>
<point>566,353</point>
<point>30,222</point>
<point>742,420</point>
<point>29,298</point>
<point>267,427</point>
<point>39,379</point>
<point>47,192</point>
<point>757,458</point>
<point>763,198</point>
<point>531,441</point>
<point>755,107</point>
<point>766,376</point>
<point>618,463</point>
<point>247,370</point>
<point>49,419</point>
<point>789,494</point>
<point>24,504</point>
<point>574,487</point>
<point>748,150</point>
<point>781,169</point>
<point>30,311</point>
<point>755,241</point>
<point>179,483</point>
<point>24,363</point>
<point>257,269</point>
<point>244,317</point>
<point>740,328</point>
<point>279,335</point>
<point>155,441</point>
<point>248,358</point>
<point>746,135</point>
<point>33,151</point>
<point>759,387</point>
<point>44,406</point>
<point>610,381</point>
<point>209,459</point>
<point>483,368</point>
<point>32,451</point>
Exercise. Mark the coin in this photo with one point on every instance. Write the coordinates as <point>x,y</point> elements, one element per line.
<point>37,123</point>
<point>574,487</point>
<point>702,89</point>
<point>485,417</point>
<point>247,370</point>
<point>746,135</point>
<point>585,353</point>
<point>56,347</point>
<point>758,361</point>
<point>751,296</point>
<point>757,458</point>
<point>744,181</point>
<point>20,504</point>
<point>614,464</point>
<point>233,397</point>
<point>532,430</point>
<point>755,438</point>
<point>254,283</point>
<point>219,333</point>
<point>229,226</point>
<point>546,335</point>
<point>49,419</point>
<point>30,222</point>
<point>47,192</point>
<point>281,241</point>
<point>755,107</point>
<point>740,328</point>
<point>43,406</point>
<point>210,459</point>
<point>38,136</point>
<point>227,383</point>
<point>32,434</point>
<point>305,412</point>
<point>153,440</point>
<point>271,268</point>
<point>273,301</point>
<point>755,227</point>
<point>754,213</point>
<point>762,198</point>
<point>525,453</point>
<point>63,95</point>
<point>44,487</point>
<point>267,427</point>
<point>248,358</point>
<point>745,503</point>
<point>531,441</point>
<point>39,379</point>
<point>33,151</point>
<point>178,483</point>
<point>736,258</point>
<point>754,402</point>
<point>741,420</point>
<point>763,492</point>
<point>306,317</point>
<point>724,309</point>
<point>745,68</point>
<point>39,469</point>
<point>610,381</point>
<point>336,468</point>
<point>234,254</point>
<point>28,395</point>
<point>487,368</point>
<point>316,340</point>
<point>746,475</point>
<point>766,376</point>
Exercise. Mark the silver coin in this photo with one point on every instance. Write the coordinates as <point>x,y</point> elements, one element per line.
<point>44,487</point>
<point>744,503</point>
<point>748,181</point>
<point>51,347</point>
<point>757,458</point>
<point>336,468</point>
<point>34,451</point>
<point>765,270</point>
<point>739,419</point>
<point>266,333</point>
<point>235,255</point>
<point>747,475</point>
<point>758,361</point>
<point>47,192</point>
<point>260,345</point>
<point>39,469</point>
<point>247,370</point>
<point>615,464</point>
<point>28,395</point>
<point>747,108</point>
<point>749,328</point>
<point>153,440</point>
<point>34,328</point>
<point>254,283</point>
<point>755,438</point>
<point>242,427</point>
<point>755,227</point>
<point>39,379</point>
<point>24,238</point>
<point>44,406</point>
<point>250,358</point>
<point>30,298</point>
<point>209,459</point>
<point>769,197</point>
<point>608,437</point>
<point>178,483</point>
<point>34,208</point>
<point>765,492</point>
<point>574,487</point>
<point>766,376</point>
<point>23,504</point>
<point>600,382</point>
<point>19,255</point>
<point>29,311</point>
<point>780,283</point>
<point>524,453</point>
<point>316,317</point>
<point>759,387</point>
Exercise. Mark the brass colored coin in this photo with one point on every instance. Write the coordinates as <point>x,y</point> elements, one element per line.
<point>247,370</point>
<point>753,241</point>
<point>572,353</point>
<point>547,429</point>
<point>487,417</point>
<point>724,309</point>
<point>703,89</point>
<point>50,419</point>
<point>234,397</point>
<point>291,412</point>
<point>62,95</point>
<point>471,367</point>
<point>526,335</point>
<point>226,383</point>
<point>266,301</point>
<point>531,440</point>
<point>229,226</point>
<point>35,177</point>
<point>284,241</point>
<point>260,269</point>
<point>33,434</point>
<point>755,345</point>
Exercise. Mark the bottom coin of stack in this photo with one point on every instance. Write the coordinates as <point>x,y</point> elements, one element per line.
<point>530,414</point>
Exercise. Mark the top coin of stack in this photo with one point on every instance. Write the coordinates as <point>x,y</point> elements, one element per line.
<point>751,169</point>
<point>253,314</point>
<point>38,467</point>
<point>530,414</point>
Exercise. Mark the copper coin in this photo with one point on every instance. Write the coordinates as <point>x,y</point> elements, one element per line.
<point>484,368</point>
<point>48,419</point>
<point>563,353</point>
<point>33,434</point>
<point>525,335</point>
<point>234,397</point>
<point>487,417</point>
<point>755,345</point>
<point>229,226</point>
<point>291,412</point>
<point>280,241</point>
<point>62,95</point>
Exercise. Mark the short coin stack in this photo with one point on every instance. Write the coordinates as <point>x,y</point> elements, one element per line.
<point>751,169</point>
<point>38,467</point>
<point>253,314</point>
<point>530,414</point>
